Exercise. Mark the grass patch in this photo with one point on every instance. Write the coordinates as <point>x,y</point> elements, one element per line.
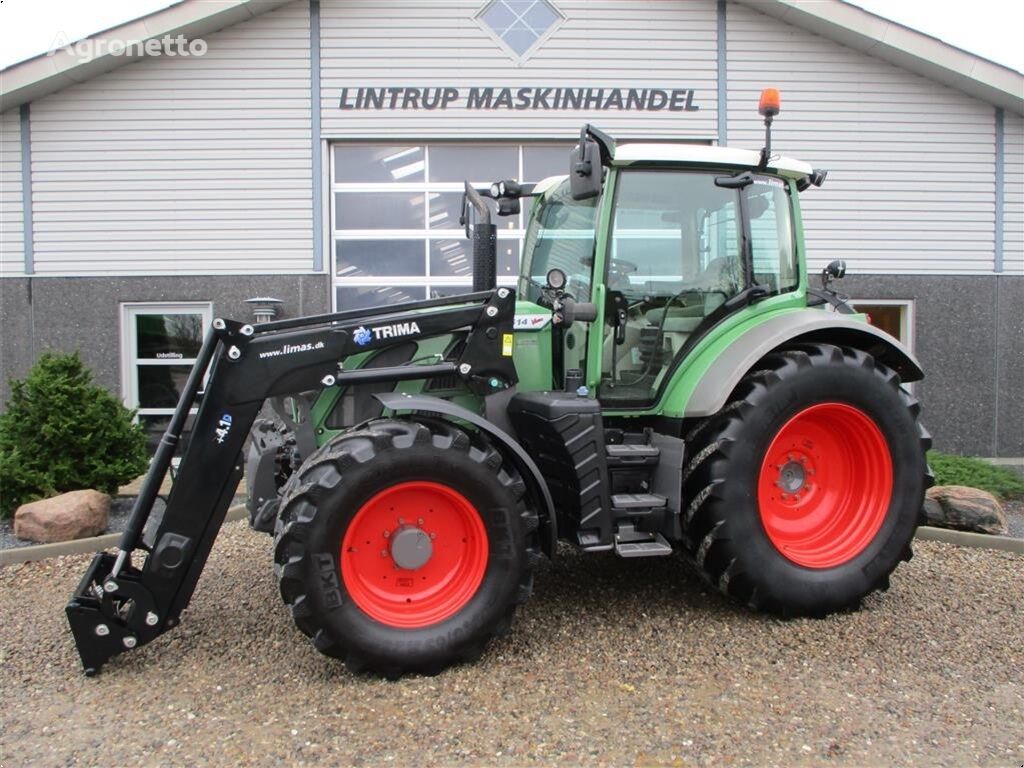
<point>976,473</point>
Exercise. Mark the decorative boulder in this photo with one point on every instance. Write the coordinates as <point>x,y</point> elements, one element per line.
<point>74,515</point>
<point>963,508</point>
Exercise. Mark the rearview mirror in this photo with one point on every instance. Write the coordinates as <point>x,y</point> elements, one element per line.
<point>834,271</point>
<point>585,171</point>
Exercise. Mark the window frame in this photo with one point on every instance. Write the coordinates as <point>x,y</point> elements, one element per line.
<point>519,58</point>
<point>907,316</point>
<point>129,347</point>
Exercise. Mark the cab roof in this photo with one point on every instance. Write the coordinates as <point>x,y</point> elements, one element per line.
<point>700,154</point>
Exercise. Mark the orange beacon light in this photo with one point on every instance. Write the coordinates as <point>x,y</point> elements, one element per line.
<point>770,102</point>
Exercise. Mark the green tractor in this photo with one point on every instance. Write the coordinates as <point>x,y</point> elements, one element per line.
<point>663,379</point>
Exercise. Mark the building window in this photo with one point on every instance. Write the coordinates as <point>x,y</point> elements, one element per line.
<point>159,345</point>
<point>894,316</point>
<point>519,24</point>
<point>395,211</point>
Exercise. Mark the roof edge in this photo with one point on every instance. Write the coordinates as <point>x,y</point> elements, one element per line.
<point>840,21</point>
<point>903,46</point>
<point>50,72</point>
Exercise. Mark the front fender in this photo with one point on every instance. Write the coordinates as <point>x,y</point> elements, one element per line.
<point>725,370</point>
<point>537,488</point>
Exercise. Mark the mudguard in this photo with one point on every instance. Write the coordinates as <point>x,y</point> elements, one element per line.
<point>396,401</point>
<point>714,387</point>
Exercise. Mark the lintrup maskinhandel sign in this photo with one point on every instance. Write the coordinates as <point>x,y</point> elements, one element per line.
<point>445,97</point>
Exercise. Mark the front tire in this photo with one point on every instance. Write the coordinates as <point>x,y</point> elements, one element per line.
<point>405,546</point>
<point>805,490</point>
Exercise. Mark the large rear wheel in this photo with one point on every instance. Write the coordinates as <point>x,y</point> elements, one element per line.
<point>405,546</point>
<point>804,492</point>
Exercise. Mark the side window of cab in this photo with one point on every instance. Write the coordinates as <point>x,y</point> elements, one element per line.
<point>772,243</point>
<point>674,258</point>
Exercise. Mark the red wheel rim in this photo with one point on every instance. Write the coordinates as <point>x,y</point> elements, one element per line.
<point>825,485</point>
<point>414,554</point>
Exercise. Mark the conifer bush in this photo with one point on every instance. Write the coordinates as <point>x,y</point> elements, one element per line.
<point>63,432</point>
<point>1001,482</point>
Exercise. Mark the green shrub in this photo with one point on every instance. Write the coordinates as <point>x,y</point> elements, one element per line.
<point>975,473</point>
<point>62,432</point>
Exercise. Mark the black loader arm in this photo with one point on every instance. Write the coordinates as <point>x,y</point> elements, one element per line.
<point>130,598</point>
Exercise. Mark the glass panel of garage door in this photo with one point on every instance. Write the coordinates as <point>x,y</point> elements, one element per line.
<point>361,164</point>
<point>478,163</point>
<point>159,343</point>
<point>396,209</point>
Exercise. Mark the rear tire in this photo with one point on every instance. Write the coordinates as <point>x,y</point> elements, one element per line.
<point>803,493</point>
<point>404,546</point>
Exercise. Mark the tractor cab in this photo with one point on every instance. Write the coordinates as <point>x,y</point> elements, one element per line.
<point>678,240</point>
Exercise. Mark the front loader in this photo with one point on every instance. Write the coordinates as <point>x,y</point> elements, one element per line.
<point>663,379</point>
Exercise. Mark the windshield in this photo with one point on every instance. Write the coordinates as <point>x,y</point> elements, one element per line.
<point>560,234</point>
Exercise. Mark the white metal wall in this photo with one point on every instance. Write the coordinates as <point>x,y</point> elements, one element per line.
<point>12,254</point>
<point>202,165</point>
<point>911,162</point>
<point>182,165</point>
<point>1013,242</point>
<point>602,43</point>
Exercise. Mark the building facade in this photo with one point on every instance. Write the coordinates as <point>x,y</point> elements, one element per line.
<point>314,152</point>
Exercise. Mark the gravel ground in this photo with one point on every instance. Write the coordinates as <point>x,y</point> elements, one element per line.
<point>1015,518</point>
<point>613,662</point>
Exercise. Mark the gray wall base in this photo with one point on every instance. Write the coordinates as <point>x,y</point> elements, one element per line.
<point>969,335</point>
<point>970,340</point>
<point>84,313</point>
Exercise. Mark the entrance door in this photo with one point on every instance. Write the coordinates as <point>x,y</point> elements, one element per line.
<point>681,247</point>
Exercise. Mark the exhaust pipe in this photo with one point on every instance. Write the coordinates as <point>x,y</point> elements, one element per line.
<point>485,241</point>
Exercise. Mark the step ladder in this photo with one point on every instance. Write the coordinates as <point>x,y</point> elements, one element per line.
<point>629,542</point>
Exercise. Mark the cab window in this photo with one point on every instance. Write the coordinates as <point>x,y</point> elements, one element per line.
<point>675,257</point>
<point>560,234</point>
<point>771,236</point>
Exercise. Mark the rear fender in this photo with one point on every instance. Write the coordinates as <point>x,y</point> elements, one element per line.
<point>807,325</point>
<point>535,485</point>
